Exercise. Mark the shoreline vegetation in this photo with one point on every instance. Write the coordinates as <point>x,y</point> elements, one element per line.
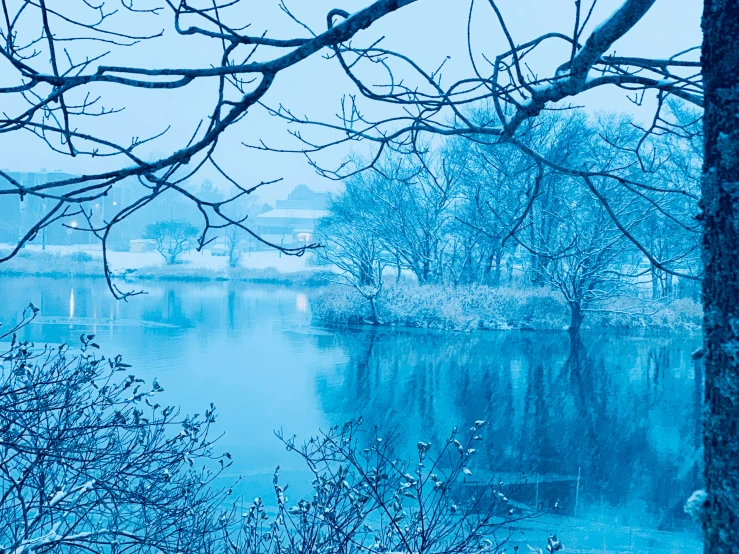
<point>470,308</point>
<point>83,265</point>
<point>402,305</point>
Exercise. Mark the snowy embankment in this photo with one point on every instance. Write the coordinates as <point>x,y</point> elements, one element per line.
<point>495,308</point>
<point>86,261</point>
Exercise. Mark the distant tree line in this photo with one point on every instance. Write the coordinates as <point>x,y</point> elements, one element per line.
<point>475,212</point>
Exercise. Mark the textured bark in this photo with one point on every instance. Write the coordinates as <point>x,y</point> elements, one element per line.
<point>576,318</point>
<point>720,58</point>
<point>374,316</point>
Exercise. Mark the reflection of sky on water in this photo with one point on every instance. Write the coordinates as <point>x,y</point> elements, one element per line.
<point>622,411</point>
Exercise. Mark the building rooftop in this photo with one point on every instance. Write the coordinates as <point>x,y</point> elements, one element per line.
<point>303,197</point>
<point>293,213</point>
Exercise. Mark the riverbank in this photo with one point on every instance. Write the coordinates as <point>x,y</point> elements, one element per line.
<point>499,308</point>
<point>257,267</point>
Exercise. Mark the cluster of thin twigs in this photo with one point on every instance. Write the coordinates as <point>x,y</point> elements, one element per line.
<point>56,55</point>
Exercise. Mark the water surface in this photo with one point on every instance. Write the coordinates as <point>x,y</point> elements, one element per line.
<point>617,414</point>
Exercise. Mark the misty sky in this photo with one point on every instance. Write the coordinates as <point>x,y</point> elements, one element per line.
<point>427,31</point>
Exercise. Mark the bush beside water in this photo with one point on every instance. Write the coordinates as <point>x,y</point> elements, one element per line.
<point>495,308</point>
<point>47,264</point>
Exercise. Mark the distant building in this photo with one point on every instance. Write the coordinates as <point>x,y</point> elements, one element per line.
<point>17,216</point>
<point>293,221</point>
<point>303,197</point>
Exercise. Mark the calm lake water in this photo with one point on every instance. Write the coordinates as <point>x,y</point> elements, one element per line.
<point>622,412</point>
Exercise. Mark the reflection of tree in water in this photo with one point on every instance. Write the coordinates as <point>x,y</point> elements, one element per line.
<point>620,409</point>
<point>394,381</point>
<point>170,310</point>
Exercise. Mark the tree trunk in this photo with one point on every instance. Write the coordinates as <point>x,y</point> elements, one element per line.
<point>425,271</point>
<point>576,317</point>
<point>374,316</point>
<point>498,263</point>
<point>668,288</point>
<point>720,203</point>
<point>655,282</point>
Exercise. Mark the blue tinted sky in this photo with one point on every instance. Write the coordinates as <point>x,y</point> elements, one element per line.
<point>427,31</point>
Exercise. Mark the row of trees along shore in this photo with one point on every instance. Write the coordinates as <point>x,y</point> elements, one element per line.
<point>69,67</point>
<point>477,212</point>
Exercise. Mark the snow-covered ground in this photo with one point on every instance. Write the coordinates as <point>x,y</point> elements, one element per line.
<point>204,260</point>
<point>120,261</point>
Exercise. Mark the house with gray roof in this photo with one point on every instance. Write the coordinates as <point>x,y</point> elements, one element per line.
<point>293,221</point>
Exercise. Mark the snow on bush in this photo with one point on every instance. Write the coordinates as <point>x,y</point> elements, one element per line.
<point>496,308</point>
<point>84,264</point>
<point>437,307</point>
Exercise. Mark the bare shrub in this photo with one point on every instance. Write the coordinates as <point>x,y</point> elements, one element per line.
<point>91,462</point>
<point>366,498</point>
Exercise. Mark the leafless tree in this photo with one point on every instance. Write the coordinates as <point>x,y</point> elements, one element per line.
<point>416,194</point>
<point>509,193</point>
<point>585,256</point>
<point>234,244</point>
<point>495,182</point>
<point>353,244</point>
<point>235,237</point>
<point>172,237</point>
